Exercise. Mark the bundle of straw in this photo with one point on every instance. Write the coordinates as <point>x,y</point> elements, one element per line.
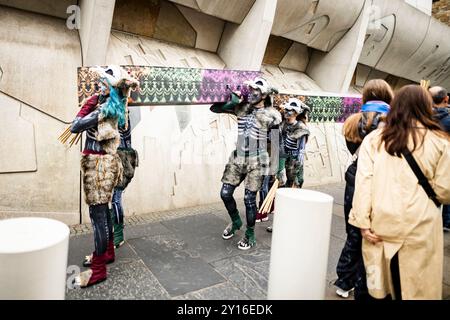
<point>268,201</point>
<point>67,135</point>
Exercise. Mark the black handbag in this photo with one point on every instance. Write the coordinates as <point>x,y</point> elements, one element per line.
<point>423,181</point>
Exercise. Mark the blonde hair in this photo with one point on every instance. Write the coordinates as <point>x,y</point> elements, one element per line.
<point>351,126</point>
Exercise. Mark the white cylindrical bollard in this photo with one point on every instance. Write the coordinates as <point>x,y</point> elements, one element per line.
<point>33,259</point>
<point>300,244</point>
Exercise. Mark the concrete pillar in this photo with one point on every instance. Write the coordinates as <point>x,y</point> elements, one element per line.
<point>423,5</point>
<point>333,71</point>
<point>242,46</point>
<point>300,244</point>
<point>96,21</point>
<point>33,259</point>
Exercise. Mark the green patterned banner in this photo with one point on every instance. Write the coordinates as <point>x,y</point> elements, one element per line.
<point>184,86</point>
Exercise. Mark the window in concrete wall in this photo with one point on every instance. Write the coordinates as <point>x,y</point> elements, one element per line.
<point>156,19</point>
<point>364,73</point>
<point>286,53</point>
<point>164,20</point>
<point>54,8</point>
<point>277,47</point>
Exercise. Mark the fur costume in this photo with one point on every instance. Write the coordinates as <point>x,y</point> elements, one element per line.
<point>295,131</point>
<point>108,134</point>
<point>130,160</point>
<point>101,173</point>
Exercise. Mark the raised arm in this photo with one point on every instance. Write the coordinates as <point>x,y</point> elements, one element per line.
<point>87,117</point>
<point>83,124</point>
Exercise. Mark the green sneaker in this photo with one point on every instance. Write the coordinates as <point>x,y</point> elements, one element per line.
<point>118,236</point>
<point>248,241</point>
<point>231,229</point>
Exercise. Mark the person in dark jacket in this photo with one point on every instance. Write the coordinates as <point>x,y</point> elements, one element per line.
<point>442,114</point>
<point>377,94</point>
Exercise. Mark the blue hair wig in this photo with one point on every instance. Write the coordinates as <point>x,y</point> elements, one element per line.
<point>115,109</point>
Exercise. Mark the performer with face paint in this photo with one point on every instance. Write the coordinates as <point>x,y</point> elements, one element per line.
<point>295,133</point>
<point>250,161</point>
<point>102,170</point>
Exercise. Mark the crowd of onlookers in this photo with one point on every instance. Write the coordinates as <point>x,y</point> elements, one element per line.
<point>397,194</point>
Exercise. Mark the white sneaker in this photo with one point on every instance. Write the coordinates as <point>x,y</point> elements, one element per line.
<point>344,294</point>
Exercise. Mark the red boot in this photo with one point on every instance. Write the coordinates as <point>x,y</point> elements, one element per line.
<point>110,253</point>
<point>260,217</point>
<point>96,274</point>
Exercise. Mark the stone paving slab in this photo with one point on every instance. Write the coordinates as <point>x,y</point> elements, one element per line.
<point>222,291</point>
<point>178,268</point>
<point>203,233</point>
<point>126,281</point>
<point>81,246</point>
<point>145,230</point>
<point>248,272</point>
<point>180,254</point>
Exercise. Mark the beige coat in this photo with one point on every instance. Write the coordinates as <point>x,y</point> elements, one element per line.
<point>389,201</point>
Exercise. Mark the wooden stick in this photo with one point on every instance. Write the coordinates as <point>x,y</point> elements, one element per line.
<point>79,138</point>
<point>73,140</point>
<point>64,133</point>
<point>264,204</point>
<point>265,207</point>
<point>66,138</point>
<point>272,197</point>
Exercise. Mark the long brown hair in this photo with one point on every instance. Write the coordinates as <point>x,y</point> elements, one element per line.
<point>377,89</point>
<point>412,105</point>
<point>352,125</point>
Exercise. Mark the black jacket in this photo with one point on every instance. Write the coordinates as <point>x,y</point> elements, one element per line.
<point>443,116</point>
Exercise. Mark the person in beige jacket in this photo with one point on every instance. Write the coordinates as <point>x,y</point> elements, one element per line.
<point>401,227</point>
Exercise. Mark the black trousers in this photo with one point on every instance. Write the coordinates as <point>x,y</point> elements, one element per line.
<point>102,225</point>
<point>350,268</point>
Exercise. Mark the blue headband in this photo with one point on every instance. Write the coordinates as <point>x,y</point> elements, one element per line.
<point>375,106</point>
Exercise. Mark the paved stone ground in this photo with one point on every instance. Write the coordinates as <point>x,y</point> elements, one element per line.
<point>180,255</point>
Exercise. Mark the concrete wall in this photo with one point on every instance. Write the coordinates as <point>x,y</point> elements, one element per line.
<point>300,46</point>
<point>38,176</point>
<point>231,10</point>
<point>318,24</point>
<point>393,48</point>
<point>423,5</point>
<point>96,20</point>
<point>47,7</point>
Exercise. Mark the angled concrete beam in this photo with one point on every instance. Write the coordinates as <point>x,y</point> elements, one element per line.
<point>95,31</point>
<point>333,71</point>
<point>242,46</point>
